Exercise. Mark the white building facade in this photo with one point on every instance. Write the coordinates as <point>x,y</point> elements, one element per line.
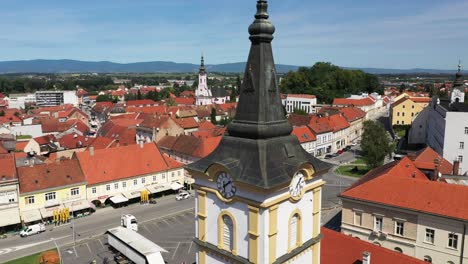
<point>203,94</point>
<point>55,98</point>
<point>305,102</point>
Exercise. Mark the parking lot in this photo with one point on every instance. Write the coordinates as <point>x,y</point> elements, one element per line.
<point>173,233</point>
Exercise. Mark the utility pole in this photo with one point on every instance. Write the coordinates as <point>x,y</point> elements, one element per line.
<point>58,250</point>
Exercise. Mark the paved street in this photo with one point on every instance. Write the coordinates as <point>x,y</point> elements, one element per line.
<point>91,226</point>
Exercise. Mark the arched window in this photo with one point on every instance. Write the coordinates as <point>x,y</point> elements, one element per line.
<point>295,229</point>
<point>227,232</point>
<point>397,249</point>
<point>228,229</point>
<point>428,259</point>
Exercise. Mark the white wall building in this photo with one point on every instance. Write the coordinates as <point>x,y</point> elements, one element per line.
<point>203,94</point>
<point>304,102</point>
<point>19,101</point>
<point>55,98</point>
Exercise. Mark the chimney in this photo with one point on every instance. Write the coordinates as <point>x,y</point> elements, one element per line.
<point>91,151</point>
<point>141,144</point>
<point>456,167</point>
<point>366,257</point>
<point>435,175</point>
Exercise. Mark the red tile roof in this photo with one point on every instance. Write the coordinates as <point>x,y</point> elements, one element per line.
<point>184,100</point>
<point>2,149</point>
<point>338,122</point>
<point>299,120</point>
<point>337,248</point>
<point>80,92</point>
<point>206,146</point>
<point>187,94</point>
<point>172,163</point>
<point>320,125</point>
<point>7,166</point>
<point>407,187</point>
<point>352,113</point>
<point>102,142</point>
<point>140,102</point>
<point>420,99</point>
<point>118,93</point>
<point>53,175</point>
<point>190,145</point>
<point>159,109</point>
<point>354,102</point>
<point>424,160</point>
<point>226,107</point>
<point>303,134</point>
<point>44,140</point>
<point>307,96</point>
<point>206,125</point>
<point>186,123</point>
<point>121,162</point>
<point>72,141</point>
<point>20,145</point>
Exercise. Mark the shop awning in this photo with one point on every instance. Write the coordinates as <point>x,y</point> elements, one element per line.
<point>133,194</point>
<point>49,212</point>
<point>77,205</point>
<point>31,215</point>
<point>118,198</point>
<point>10,216</point>
<point>176,186</point>
<point>156,188</point>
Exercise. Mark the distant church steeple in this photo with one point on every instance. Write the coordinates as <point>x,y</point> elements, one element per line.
<point>203,94</point>
<point>457,94</point>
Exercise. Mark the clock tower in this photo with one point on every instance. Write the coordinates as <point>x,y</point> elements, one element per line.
<point>258,194</point>
<point>457,95</point>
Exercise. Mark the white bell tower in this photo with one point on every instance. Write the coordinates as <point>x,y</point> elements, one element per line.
<point>457,94</point>
<point>203,94</point>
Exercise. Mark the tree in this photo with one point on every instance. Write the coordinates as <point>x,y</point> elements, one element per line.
<point>139,96</point>
<point>375,144</point>
<point>104,98</point>
<point>299,111</point>
<point>213,116</point>
<point>233,96</point>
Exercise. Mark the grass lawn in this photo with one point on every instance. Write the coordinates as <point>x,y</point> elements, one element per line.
<point>400,133</point>
<point>347,170</point>
<point>32,259</point>
<point>23,137</point>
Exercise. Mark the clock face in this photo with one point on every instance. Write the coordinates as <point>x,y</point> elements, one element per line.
<point>297,185</point>
<point>226,185</point>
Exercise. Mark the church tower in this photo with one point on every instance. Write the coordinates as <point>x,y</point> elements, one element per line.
<point>258,194</point>
<point>203,93</point>
<point>457,94</point>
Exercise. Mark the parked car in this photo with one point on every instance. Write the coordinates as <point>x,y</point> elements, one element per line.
<point>334,155</point>
<point>32,230</point>
<point>328,156</point>
<point>348,148</point>
<point>339,152</point>
<point>182,196</point>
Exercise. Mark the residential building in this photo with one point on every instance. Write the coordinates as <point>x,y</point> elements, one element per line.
<point>447,125</point>
<point>155,127</point>
<point>306,138</point>
<point>9,192</point>
<point>355,118</point>
<point>367,104</point>
<point>55,98</point>
<point>258,194</point>
<point>403,111</point>
<point>19,101</point>
<point>323,132</point>
<point>305,102</point>
<point>397,207</point>
<point>116,175</point>
<point>47,188</point>
<point>187,149</point>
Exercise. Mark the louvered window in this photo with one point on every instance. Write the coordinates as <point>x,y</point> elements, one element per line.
<point>228,236</point>
<point>293,231</point>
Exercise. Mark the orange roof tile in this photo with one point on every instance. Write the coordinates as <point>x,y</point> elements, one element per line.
<point>184,100</point>
<point>424,160</point>
<point>337,248</point>
<point>159,109</point>
<point>352,113</point>
<point>206,125</point>
<point>319,125</point>
<point>407,187</point>
<point>186,123</point>
<point>72,141</point>
<point>102,142</point>
<point>140,102</point>
<point>303,134</point>
<point>53,175</point>
<point>121,162</point>
<point>420,99</point>
<point>7,166</point>
<point>354,102</point>
<point>206,146</point>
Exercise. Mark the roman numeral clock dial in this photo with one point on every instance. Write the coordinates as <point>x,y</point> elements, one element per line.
<point>297,185</point>
<point>226,185</point>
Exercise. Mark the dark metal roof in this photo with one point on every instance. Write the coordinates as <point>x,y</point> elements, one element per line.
<point>258,147</point>
<point>459,78</point>
<point>218,92</point>
<point>202,65</point>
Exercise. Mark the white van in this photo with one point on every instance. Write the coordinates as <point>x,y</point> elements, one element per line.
<point>32,230</point>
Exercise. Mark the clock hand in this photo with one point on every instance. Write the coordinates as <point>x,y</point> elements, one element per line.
<point>226,184</point>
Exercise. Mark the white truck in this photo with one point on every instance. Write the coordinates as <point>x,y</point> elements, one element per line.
<point>134,247</point>
<point>32,230</point>
<point>129,221</point>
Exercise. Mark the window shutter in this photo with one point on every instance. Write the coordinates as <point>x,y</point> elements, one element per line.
<point>227,233</point>
<point>293,232</point>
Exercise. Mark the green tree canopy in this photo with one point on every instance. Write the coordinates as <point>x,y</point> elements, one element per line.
<point>375,144</point>
<point>328,81</point>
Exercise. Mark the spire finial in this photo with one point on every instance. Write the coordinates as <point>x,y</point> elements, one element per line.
<point>458,76</point>
<point>459,66</point>
<point>202,64</point>
<point>261,30</point>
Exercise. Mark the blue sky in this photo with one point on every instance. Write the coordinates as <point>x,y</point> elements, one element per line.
<point>358,33</point>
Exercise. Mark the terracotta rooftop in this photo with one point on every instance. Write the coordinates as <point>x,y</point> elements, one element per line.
<point>307,96</point>
<point>352,113</point>
<point>184,100</point>
<point>186,123</point>
<point>121,162</point>
<point>46,176</point>
<point>140,102</point>
<point>424,160</point>
<point>299,120</point>
<point>72,141</point>
<point>7,167</point>
<point>354,102</point>
<point>44,140</point>
<point>337,248</point>
<point>159,109</point>
<point>407,187</point>
<point>303,134</point>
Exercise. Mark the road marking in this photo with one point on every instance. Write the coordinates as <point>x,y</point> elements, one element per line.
<point>13,249</point>
<point>188,251</point>
<point>156,225</point>
<point>101,243</point>
<point>173,255</point>
<point>147,229</point>
<point>76,253</point>
<point>89,248</point>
